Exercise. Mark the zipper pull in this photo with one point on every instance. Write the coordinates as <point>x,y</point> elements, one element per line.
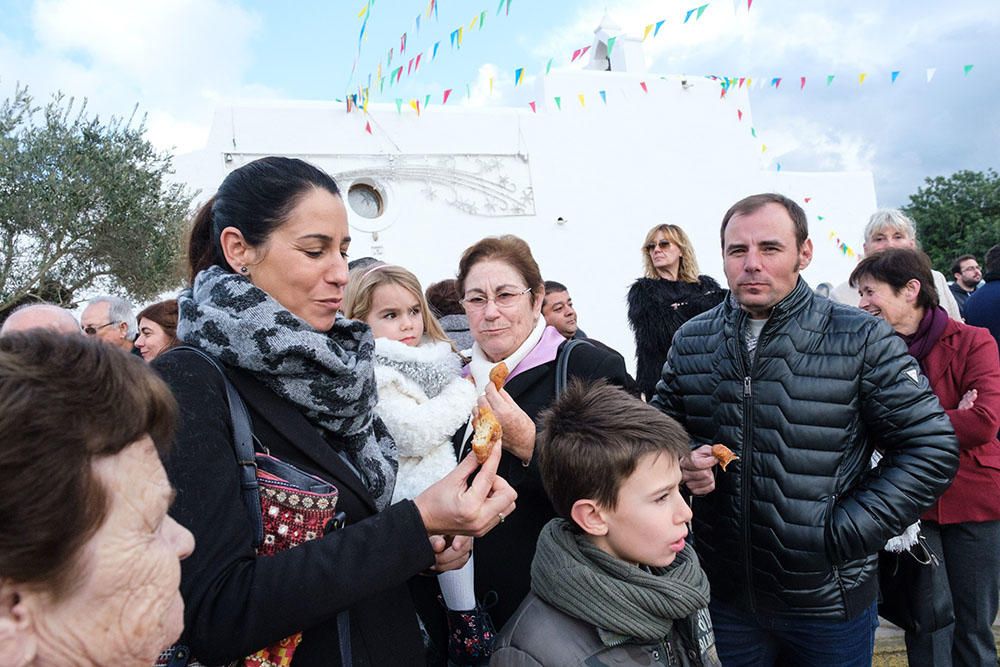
<point>746,387</point>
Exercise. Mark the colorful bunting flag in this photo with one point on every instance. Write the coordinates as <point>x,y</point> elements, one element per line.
<point>802,82</point>
<point>427,101</point>
<point>532,105</point>
<point>753,132</point>
<point>399,105</point>
<point>548,66</point>
<point>611,44</point>
<point>642,84</point>
<point>444,99</point>
<point>473,22</point>
<point>749,2</point>
<point>967,69</point>
<point>559,103</point>
<point>576,54</point>
<point>701,10</point>
<point>739,115</point>
<point>585,49</point>
<point>742,79</point>
<point>776,81</point>
<point>604,96</point>
<point>518,73</point>
<point>500,7</point>
<point>646,31</point>
<point>402,44</point>
<point>482,19</point>
<point>364,10</point>
<point>416,66</point>
<point>689,13</point>
<point>580,97</point>
<point>368,127</point>
<point>659,24</point>
<point>415,105</point>
<point>435,53</point>
<point>409,67</point>
<point>829,78</point>
<point>861,77</point>
<point>491,85</point>
<point>895,75</point>
<point>418,22</point>
<point>432,7</point>
<point>454,34</point>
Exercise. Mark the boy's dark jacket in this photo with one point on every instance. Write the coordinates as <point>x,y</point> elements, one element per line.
<point>542,633</point>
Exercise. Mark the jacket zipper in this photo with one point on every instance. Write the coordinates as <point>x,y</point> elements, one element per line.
<point>836,568</point>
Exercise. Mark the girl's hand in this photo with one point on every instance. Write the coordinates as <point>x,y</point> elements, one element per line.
<point>969,400</point>
<point>518,428</point>
<point>453,506</point>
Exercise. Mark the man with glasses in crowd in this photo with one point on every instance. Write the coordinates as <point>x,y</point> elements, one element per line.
<point>967,277</point>
<point>111,319</point>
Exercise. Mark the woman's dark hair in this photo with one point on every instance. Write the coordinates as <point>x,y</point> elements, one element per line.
<point>66,401</point>
<point>509,249</point>
<point>163,313</point>
<point>444,298</point>
<point>256,199</point>
<point>896,267</point>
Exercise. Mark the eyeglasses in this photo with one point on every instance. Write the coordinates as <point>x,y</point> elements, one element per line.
<point>91,330</point>
<point>970,268</point>
<point>662,244</point>
<point>502,300</point>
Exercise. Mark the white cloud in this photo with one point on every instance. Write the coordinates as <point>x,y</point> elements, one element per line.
<point>489,88</point>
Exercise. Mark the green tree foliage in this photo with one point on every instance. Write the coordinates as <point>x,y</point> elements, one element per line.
<point>83,204</point>
<point>957,215</point>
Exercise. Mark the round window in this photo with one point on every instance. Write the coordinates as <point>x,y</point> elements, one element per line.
<point>365,200</point>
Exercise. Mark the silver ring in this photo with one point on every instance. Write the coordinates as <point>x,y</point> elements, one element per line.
<point>500,514</point>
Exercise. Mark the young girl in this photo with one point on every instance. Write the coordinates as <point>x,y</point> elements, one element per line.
<point>423,400</point>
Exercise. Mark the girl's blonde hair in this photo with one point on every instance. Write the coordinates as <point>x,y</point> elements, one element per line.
<point>360,291</point>
<point>687,271</point>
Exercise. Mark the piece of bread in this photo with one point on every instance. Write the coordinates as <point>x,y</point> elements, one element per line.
<point>724,455</point>
<point>487,433</point>
<point>499,374</point>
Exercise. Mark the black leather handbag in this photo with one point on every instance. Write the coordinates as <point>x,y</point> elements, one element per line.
<point>910,587</point>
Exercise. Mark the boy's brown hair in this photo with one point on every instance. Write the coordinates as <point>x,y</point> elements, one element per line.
<point>592,439</point>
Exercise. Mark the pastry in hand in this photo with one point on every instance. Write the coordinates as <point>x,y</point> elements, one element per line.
<point>499,374</point>
<point>724,455</point>
<point>487,433</point>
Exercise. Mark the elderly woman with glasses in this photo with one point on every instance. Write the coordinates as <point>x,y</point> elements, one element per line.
<point>963,527</point>
<point>502,290</point>
<point>668,295</point>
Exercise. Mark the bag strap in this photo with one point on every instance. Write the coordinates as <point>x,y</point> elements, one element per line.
<point>562,364</point>
<point>243,445</point>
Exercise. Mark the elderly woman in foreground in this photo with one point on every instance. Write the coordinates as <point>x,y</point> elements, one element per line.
<point>89,559</point>
<point>963,526</point>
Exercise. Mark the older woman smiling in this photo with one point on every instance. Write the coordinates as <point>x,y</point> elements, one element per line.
<point>963,527</point>
<point>89,559</point>
<point>502,291</point>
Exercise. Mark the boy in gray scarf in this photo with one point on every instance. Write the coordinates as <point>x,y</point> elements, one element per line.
<point>613,581</point>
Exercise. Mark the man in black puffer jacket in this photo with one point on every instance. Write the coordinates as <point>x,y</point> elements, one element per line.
<point>802,390</point>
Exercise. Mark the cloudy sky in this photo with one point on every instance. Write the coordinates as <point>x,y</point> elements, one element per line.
<point>178,59</point>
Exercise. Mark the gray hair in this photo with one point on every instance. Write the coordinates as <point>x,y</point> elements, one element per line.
<point>119,310</point>
<point>889,218</point>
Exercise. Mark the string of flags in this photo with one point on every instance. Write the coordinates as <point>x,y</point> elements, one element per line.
<point>728,83</point>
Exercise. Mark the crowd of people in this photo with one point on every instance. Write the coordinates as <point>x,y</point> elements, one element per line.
<point>276,467</point>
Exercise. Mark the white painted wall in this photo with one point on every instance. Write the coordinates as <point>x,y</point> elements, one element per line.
<point>674,154</point>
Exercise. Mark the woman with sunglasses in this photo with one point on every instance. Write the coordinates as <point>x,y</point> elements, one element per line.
<point>668,295</point>
<point>501,289</point>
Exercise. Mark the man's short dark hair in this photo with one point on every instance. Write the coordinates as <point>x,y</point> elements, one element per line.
<point>993,259</point>
<point>956,266</point>
<point>592,439</point>
<point>896,267</point>
<point>753,203</point>
<point>443,298</point>
<point>552,286</point>
<point>362,263</point>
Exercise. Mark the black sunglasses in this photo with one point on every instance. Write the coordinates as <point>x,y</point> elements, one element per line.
<point>662,244</point>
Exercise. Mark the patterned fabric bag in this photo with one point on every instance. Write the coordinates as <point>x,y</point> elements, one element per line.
<point>287,507</point>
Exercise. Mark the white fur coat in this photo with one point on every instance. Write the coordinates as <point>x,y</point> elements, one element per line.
<point>423,400</point>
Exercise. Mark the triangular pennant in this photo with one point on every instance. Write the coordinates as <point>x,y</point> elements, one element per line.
<point>500,7</point>
<point>417,65</point>
<point>399,73</point>
<point>802,82</point>
<point>739,115</point>
<point>430,8</point>
<point>742,81</point>
<point>580,97</point>
<point>967,69</point>
<point>777,166</point>
<point>454,34</point>
<point>930,73</point>
<point>518,73</point>
<point>763,148</point>
<point>749,2</point>
<point>807,199</point>
<point>368,127</point>
<point>460,35</point>
<point>604,96</point>
<point>364,10</point>
<point>584,52</point>
<point>473,22</point>
<point>776,81</point>
<point>435,53</point>
<point>402,44</point>
<point>427,101</point>
<point>415,105</point>
<point>895,75</point>
<point>829,78</point>
<point>576,54</point>
<point>642,84</point>
<point>418,22</point>
<point>399,105</point>
<point>548,66</point>
<point>482,19</point>
<point>611,44</point>
<point>444,97</point>
<point>559,103</point>
<point>753,132</point>
<point>659,24</point>
<point>689,13</point>
<point>862,77</point>
<point>532,105</point>
<point>491,85</point>
<point>701,10</point>
<point>409,67</point>
<point>819,217</point>
<point>645,33</point>
<point>507,13</point>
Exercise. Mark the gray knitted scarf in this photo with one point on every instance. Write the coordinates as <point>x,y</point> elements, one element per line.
<point>328,375</point>
<point>623,601</point>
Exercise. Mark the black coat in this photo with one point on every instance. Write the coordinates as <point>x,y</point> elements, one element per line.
<point>656,310</point>
<point>236,603</point>
<point>503,556</point>
<point>793,528</point>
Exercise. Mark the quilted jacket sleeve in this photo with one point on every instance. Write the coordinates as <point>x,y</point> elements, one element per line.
<point>904,419</point>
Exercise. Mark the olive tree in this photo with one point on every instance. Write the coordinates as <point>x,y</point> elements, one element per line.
<point>84,203</point>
